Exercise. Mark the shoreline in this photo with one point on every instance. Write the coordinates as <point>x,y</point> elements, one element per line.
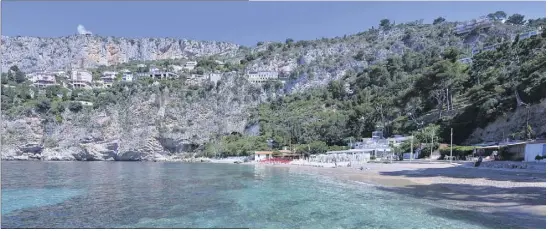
<point>516,194</point>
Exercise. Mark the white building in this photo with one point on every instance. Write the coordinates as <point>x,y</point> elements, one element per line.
<point>81,79</point>
<point>190,65</point>
<point>176,68</point>
<point>108,78</point>
<point>534,149</point>
<point>352,155</point>
<point>529,34</point>
<point>261,76</point>
<point>127,75</point>
<point>214,77</point>
<point>468,26</point>
<point>158,74</point>
<point>263,155</point>
<point>42,79</point>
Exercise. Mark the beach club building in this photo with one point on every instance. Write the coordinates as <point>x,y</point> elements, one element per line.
<point>377,147</point>
<point>352,155</point>
<point>283,154</point>
<point>519,150</point>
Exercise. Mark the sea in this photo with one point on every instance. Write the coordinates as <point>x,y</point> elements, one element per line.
<point>205,195</point>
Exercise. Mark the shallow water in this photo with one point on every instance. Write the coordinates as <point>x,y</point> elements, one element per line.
<point>180,195</point>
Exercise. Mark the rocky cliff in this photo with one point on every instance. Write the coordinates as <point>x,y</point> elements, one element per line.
<point>36,54</point>
<point>532,115</point>
<point>155,122</point>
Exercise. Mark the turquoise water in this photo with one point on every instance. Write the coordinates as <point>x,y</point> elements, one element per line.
<point>179,195</point>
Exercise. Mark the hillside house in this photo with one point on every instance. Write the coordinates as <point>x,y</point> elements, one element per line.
<point>156,73</point>
<point>528,34</point>
<point>127,76</point>
<point>108,78</point>
<point>468,26</point>
<point>190,65</point>
<point>176,68</point>
<point>163,75</point>
<point>42,80</point>
<point>261,76</point>
<point>81,79</point>
<point>214,77</point>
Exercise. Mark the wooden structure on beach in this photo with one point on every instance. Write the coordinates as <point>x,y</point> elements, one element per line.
<point>282,154</point>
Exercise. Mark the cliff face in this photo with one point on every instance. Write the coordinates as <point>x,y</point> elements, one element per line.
<point>504,126</point>
<point>152,123</point>
<point>36,54</point>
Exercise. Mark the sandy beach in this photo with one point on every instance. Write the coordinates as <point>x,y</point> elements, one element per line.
<point>519,195</point>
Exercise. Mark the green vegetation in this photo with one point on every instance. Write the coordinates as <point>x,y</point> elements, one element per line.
<point>459,152</point>
<point>438,20</point>
<point>404,94</point>
<point>516,19</point>
<point>235,145</point>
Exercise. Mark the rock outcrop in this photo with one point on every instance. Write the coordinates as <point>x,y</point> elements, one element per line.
<point>37,54</point>
<point>534,115</point>
<point>156,123</point>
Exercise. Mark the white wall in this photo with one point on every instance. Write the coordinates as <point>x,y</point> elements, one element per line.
<point>84,76</point>
<point>260,157</point>
<point>532,150</point>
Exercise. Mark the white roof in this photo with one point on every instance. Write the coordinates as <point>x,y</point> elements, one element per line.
<point>358,150</point>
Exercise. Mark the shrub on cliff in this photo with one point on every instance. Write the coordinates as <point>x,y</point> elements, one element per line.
<point>75,106</point>
<point>43,105</point>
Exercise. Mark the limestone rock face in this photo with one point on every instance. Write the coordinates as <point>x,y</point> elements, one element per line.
<point>36,54</point>
<point>155,124</point>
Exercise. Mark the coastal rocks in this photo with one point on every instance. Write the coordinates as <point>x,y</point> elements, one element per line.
<point>177,145</point>
<point>131,156</point>
<point>8,153</point>
<point>100,151</point>
<point>153,124</point>
<point>59,155</point>
<point>31,148</point>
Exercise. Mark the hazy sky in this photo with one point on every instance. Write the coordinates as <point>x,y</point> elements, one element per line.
<point>239,22</point>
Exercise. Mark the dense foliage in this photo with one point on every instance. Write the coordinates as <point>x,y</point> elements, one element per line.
<point>403,95</point>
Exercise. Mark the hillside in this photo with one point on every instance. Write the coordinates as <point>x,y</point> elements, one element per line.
<point>400,78</point>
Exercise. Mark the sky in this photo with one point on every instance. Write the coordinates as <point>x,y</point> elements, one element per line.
<point>243,23</point>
